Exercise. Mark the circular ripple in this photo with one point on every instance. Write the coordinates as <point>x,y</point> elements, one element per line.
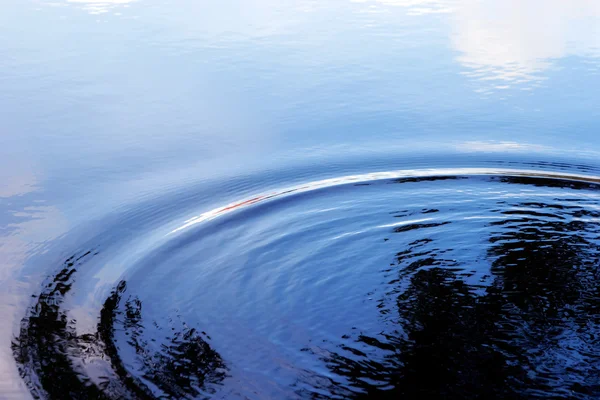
<point>454,284</point>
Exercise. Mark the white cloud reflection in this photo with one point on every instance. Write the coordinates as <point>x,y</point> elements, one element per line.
<point>416,7</point>
<point>101,6</point>
<point>511,42</point>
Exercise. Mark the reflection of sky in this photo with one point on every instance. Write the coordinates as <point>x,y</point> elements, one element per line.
<point>513,42</point>
<point>416,7</point>
<point>235,79</point>
<point>101,6</point>
<point>93,101</point>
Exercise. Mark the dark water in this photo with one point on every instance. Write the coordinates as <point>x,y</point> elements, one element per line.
<point>299,200</point>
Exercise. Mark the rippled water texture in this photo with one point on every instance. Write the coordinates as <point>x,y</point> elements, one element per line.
<point>300,199</point>
<point>454,283</point>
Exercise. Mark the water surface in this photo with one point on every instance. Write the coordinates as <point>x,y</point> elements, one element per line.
<point>299,199</point>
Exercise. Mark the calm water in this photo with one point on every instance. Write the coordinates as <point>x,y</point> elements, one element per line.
<point>299,199</point>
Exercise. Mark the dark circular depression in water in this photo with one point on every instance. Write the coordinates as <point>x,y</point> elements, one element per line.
<point>446,284</point>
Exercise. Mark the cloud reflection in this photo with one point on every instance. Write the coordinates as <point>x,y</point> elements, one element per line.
<point>514,42</point>
<point>101,6</point>
<point>504,44</point>
<point>417,7</point>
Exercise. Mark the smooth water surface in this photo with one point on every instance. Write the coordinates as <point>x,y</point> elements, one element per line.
<point>299,199</point>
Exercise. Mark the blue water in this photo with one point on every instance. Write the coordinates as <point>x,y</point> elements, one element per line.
<point>299,199</point>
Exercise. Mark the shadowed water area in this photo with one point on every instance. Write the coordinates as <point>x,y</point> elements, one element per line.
<point>299,200</point>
